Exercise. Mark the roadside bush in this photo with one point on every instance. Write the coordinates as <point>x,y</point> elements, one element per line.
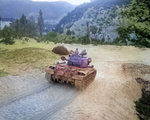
<point>7,35</point>
<point>84,40</point>
<point>26,39</point>
<point>143,106</point>
<point>119,41</point>
<point>50,36</point>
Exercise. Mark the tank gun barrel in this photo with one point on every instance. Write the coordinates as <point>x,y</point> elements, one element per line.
<point>63,58</point>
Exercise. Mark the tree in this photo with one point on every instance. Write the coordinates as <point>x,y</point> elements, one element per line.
<point>17,25</point>
<point>24,27</point>
<point>7,34</point>
<point>40,23</point>
<point>0,22</point>
<point>84,40</point>
<point>138,15</point>
<point>23,22</point>
<point>68,32</point>
<point>31,27</point>
<point>94,29</point>
<point>88,32</point>
<point>51,36</point>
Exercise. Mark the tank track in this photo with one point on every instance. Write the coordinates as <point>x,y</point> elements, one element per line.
<point>81,85</point>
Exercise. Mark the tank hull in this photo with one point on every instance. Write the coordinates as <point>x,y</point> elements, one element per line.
<point>81,78</point>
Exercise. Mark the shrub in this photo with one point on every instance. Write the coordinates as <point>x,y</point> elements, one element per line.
<point>84,40</point>
<point>7,34</point>
<point>50,36</point>
<point>26,39</point>
<point>3,73</point>
<point>143,106</point>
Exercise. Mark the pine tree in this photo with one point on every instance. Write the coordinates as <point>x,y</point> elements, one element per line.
<point>88,31</point>
<point>0,22</point>
<point>40,23</point>
<point>17,25</point>
<point>7,34</point>
<point>23,22</point>
<point>31,26</point>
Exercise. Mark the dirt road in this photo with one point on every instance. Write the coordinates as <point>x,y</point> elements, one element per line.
<point>33,97</point>
<point>110,97</point>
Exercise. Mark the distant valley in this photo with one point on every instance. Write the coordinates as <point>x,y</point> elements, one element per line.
<point>51,10</point>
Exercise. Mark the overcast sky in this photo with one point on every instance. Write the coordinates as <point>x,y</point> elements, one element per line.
<point>75,2</point>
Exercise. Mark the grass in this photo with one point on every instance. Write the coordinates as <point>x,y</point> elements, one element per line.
<point>24,44</point>
<point>18,58</point>
<point>2,73</point>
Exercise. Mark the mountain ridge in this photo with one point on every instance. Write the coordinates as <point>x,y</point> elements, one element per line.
<point>98,19</point>
<point>51,10</point>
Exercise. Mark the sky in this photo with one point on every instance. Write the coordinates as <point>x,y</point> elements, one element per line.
<point>75,2</point>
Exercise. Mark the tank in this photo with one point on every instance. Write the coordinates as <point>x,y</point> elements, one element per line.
<point>75,71</point>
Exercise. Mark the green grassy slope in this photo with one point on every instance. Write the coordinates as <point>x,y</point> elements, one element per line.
<point>22,56</point>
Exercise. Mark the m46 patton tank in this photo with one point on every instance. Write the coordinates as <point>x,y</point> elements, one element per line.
<point>77,71</point>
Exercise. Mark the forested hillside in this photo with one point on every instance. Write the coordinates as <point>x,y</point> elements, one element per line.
<point>123,22</point>
<point>137,17</point>
<point>116,22</point>
<point>78,12</point>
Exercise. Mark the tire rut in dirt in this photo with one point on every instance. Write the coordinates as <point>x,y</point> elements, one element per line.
<point>32,91</point>
<point>47,114</point>
<point>41,105</point>
<point>36,90</point>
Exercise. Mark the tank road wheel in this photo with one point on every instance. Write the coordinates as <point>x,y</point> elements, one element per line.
<point>52,77</point>
<point>79,85</point>
<point>89,79</point>
<point>48,77</point>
